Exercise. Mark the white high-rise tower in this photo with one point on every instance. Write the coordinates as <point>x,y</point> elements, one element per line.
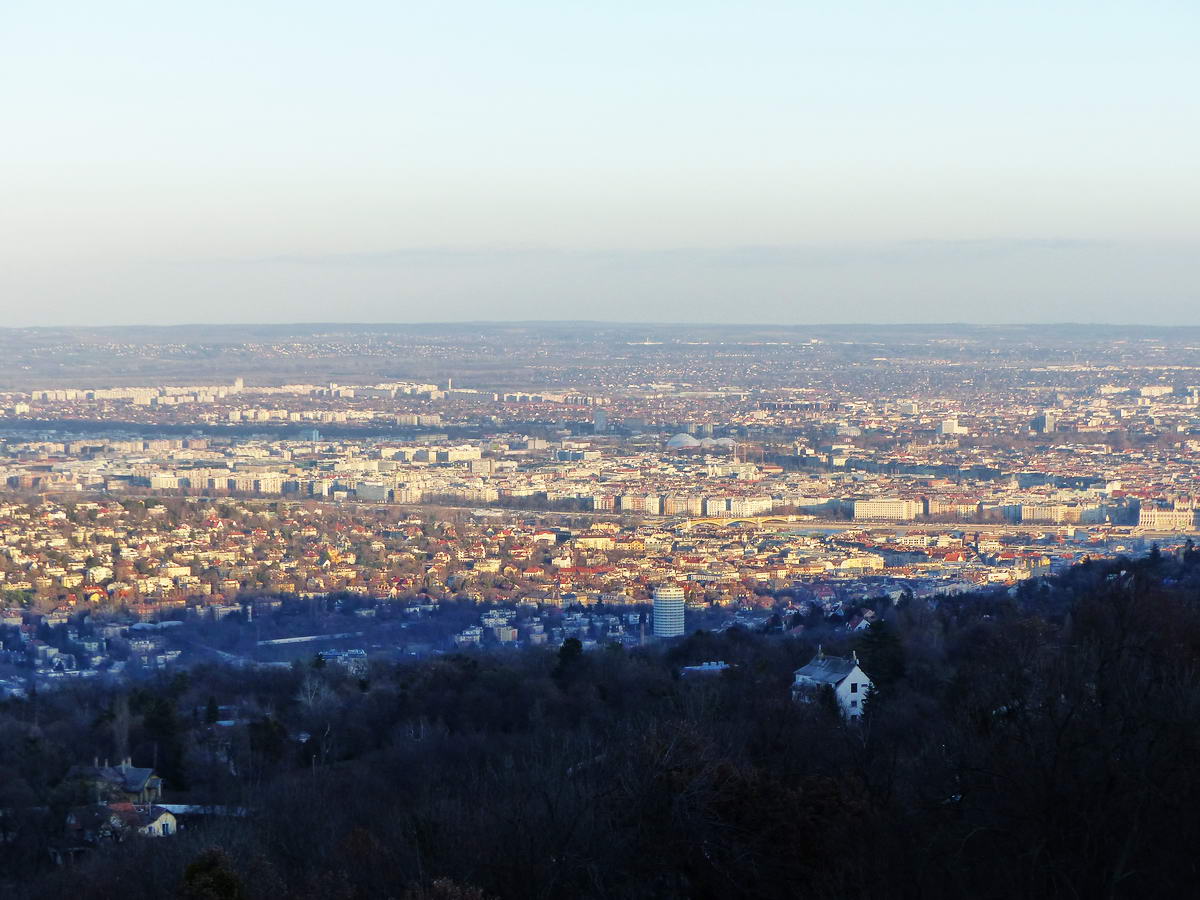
<point>668,611</point>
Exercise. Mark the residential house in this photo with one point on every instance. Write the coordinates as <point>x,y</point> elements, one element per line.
<point>847,680</point>
<point>125,782</point>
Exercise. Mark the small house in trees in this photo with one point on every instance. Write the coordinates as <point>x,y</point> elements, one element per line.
<point>105,823</point>
<point>124,782</point>
<point>843,676</point>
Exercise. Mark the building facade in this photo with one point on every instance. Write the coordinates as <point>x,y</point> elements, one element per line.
<point>669,606</point>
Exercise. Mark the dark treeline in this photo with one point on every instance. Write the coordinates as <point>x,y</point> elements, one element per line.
<point>1042,744</point>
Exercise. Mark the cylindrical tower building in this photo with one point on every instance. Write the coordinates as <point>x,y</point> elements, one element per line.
<point>668,611</point>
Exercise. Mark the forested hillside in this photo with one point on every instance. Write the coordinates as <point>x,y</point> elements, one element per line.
<point>1042,744</point>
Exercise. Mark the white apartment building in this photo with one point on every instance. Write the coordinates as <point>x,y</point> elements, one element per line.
<point>892,509</point>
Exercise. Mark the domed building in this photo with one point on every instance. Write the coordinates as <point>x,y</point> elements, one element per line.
<point>682,441</point>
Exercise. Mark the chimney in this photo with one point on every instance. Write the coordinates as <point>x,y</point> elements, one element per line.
<point>820,651</point>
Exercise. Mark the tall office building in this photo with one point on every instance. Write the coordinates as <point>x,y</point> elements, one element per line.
<point>951,426</point>
<point>600,421</point>
<point>668,611</point>
<point>1045,423</point>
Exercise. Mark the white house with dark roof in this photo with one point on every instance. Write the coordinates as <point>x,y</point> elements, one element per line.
<point>849,682</point>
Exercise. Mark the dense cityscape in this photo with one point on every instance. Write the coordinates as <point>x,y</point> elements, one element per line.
<point>138,514</point>
<point>213,586</point>
<point>314,536</point>
<point>565,451</point>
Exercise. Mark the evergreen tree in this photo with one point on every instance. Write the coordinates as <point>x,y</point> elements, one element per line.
<point>882,655</point>
<point>569,657</point>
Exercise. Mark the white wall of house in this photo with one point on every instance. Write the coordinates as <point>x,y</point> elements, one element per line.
<point>852,692</point>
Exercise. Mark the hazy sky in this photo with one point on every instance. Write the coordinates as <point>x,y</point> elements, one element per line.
<point>859,160</point>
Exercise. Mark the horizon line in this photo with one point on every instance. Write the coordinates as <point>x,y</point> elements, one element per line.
<point>598,322</point>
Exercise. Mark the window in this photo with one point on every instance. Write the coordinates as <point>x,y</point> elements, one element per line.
<point>854,704</point>
<point>854,687</point>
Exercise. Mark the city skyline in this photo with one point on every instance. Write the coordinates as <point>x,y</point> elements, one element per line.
<point>464,450</point>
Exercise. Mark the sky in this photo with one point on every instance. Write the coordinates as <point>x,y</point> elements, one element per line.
<point>657,160</point>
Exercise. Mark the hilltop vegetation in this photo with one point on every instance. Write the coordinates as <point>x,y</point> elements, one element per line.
<point>1030,745</point>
